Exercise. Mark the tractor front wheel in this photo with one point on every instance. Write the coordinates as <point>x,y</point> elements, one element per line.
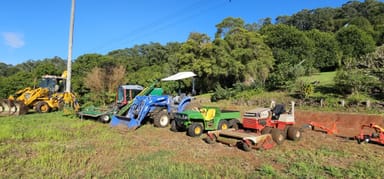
<point>43,107</point>
<point>277,136</point>
<point>162,119</point>
<point>294,133</point>
<point>195,130</point>
<point>266,130</point>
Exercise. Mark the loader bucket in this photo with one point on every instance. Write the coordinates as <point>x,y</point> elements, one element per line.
<point>124,121</point>
<point>11,107</point>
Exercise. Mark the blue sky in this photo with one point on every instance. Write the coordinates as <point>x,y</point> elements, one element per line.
<point>38,29</point>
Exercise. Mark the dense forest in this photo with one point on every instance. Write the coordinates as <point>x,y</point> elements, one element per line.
<point>268,55</point>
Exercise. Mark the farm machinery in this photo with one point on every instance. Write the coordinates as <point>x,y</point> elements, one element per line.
<point>158,107</point>
<point>261,129</point>
<point>371,133</point>
<point>50,95</point>
<point>195,122</point>
<point>124,97</point>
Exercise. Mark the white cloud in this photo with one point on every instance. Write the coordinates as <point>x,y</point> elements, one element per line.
<point>13,39</point>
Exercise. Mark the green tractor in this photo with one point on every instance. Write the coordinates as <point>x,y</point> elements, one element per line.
<point>207,118</point>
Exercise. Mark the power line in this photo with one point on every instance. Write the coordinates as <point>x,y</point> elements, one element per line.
<point>162,23</point>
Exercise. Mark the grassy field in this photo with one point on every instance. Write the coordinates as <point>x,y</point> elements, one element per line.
<point>55,146</point>
<point>324,78</point>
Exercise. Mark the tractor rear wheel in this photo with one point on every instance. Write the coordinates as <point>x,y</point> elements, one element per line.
<point>223,125</point>
<point>277,136</point>
<point>294,133</point>
<point>195,130</point>
<point>43,107</point>
<point>162,119</point>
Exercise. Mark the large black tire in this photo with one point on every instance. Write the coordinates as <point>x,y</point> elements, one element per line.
<point>209,140</point>
<point>234,123</point>
<point>285,131</point>
<point>266,130</point>
<point>195,130</point>
<point>174,127</point>
<point>245,146</point>
<point>162,119</point>
<point>294,133</point>
<point>43,107</point>
<point>223,125</point>
<point>277,136</point>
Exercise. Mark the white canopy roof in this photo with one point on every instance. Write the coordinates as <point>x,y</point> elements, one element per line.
<point>179,76</point>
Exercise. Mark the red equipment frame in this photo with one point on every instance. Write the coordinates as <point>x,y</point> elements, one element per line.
<point>376,137</point>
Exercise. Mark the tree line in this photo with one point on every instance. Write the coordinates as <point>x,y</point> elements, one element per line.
<point>264,54</point>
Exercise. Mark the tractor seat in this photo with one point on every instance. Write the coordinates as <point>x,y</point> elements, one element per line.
<point>208,114</point>
<point>277,111</point>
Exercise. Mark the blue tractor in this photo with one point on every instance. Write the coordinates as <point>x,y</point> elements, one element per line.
<point>158,108</point>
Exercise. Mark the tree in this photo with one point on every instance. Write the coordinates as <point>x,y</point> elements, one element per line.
<point>326,54</point>
<point>289,45</point>
<point>354,81</point>
<point>282,19</point>
<point>15,82</point>
<point>80,68</point>
<point>323,19</point>
<point>7,70</point>
<point>103,83</point>
<point>302,20</point>
<point>354,43</point>
<point>227,25</point>
<point>249,49</point>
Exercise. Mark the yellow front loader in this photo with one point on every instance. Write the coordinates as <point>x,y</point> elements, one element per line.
<point>49,96</point>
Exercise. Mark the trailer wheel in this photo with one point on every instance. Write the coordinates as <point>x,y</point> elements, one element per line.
<point>277,136</point>
<point>161,119</point>
<point>195,130</point>
<point>104,118</point>
<point>210,139</point>
<point>223,125</point>
<point>244,145</point>
<point>43,107</point>
<point>294,133</point>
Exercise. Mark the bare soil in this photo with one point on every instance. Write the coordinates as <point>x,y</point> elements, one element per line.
<point>347,124</point>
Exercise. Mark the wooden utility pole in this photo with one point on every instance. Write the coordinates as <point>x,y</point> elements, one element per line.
<point>70,41</point>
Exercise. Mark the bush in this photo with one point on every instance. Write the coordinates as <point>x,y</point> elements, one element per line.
<point>221,93</point>
<point>305,89</point>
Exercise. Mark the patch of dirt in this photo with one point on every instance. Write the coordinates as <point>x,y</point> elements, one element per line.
<point>347,124</point>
